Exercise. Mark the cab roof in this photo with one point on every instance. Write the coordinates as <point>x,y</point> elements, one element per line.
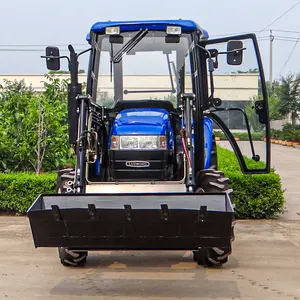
<point>159,25</point>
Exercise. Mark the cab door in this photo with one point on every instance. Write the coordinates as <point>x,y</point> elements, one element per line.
<point>238,100</point>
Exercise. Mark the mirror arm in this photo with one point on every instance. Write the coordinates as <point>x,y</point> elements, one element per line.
<point>85,51</point>
<point>56,57</point>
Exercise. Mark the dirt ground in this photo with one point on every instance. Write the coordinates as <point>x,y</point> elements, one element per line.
<point>265,263</point>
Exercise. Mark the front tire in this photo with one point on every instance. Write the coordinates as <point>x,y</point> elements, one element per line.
<point>213,181</point>
<point>70,258</point>
<point>64,185</point>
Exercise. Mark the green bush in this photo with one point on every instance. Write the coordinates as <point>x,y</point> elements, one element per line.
<point>19,190</point>
<point>275,134</point>
<point>243,136</point>
<point>290,135</point>
<point>289,132</point>
<point>254,196</point>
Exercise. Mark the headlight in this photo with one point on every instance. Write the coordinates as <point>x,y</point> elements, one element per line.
<point>173,30</point>
<point>129,142</point>
<point>138,142</point>
<point>112,30</point>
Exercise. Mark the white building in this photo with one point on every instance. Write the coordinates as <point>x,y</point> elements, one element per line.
<point>235,90</point>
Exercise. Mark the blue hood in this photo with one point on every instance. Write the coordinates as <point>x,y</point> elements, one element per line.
<point>141,121</point>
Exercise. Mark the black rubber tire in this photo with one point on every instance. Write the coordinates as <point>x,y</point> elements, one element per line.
<point>214,155</point>
<point>64,182</point>
<point>70,258</point>
<point>64,185</point>
<point>214,181</point>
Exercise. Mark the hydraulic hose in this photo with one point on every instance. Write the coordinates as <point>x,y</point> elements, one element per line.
<point>185,149</point>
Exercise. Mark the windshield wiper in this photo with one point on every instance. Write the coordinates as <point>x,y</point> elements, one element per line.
<point>129,45</point>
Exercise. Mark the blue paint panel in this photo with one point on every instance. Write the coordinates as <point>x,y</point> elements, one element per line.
<point>139,130</point>
<point>159,25</point>
<point>98,166</point>
<point>186,25</point>
<point>155,121</point>
<point>143,121</point>
<point>208,133</point>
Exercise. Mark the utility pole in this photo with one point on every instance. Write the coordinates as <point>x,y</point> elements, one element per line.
<point>271,58</point>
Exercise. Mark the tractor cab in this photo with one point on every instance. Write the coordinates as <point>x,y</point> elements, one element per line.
<point>141,71</point>
<point>162,97</point>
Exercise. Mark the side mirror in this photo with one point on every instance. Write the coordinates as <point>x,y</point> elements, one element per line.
<point>235,53</point>
<point>52,58</point>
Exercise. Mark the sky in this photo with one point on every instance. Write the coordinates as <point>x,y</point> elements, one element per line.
<point>35,24</point>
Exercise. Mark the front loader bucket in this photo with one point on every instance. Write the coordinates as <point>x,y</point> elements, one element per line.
<point>165,221</point>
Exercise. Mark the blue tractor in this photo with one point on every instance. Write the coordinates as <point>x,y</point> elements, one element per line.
<point>146,174</point>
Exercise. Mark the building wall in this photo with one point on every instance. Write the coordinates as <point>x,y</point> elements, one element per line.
<point>239,87</point>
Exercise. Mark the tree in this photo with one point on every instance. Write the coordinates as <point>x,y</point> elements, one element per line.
<point>34,129</point>
<point>64,72</point>
<point>289,94</point>
<point>250,71</point>
<point>273,100</point>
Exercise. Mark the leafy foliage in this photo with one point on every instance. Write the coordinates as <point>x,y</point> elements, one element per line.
<point>19,190</point>
<point>255,196</point>
<point>34,129</point>
<point>289,132</point>
<point>243,136</point>
<point>65,72</point>
<point>289,93</point>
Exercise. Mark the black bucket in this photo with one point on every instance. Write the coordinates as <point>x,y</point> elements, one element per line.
<point>160,221</point>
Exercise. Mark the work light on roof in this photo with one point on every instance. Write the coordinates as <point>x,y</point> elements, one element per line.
<point>173,30</point>
<point>112,30</point>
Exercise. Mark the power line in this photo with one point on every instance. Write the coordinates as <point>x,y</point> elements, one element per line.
<point>282,15</point>
<point>236,33</point>
<point>290,31</point>
<point>289,57</point>
<point>286,37</point>
<point>34,45</point>
<point>31,50</point>
<point>288,40</point>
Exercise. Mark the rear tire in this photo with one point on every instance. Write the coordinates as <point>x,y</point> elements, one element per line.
<point>64,185</point>
<point>213,181</point>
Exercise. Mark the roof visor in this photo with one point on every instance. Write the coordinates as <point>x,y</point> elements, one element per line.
<point>152,25</point>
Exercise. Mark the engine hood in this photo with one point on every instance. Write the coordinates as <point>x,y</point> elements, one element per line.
<point>141,121</point>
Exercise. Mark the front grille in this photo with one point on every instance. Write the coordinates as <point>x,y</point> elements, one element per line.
<point>139,165</point>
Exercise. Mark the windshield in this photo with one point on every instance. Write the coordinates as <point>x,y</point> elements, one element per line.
<point>151,66</point>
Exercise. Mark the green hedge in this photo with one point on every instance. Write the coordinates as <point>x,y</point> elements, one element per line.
<point>19,190</point>
<point>255,196</point>
<point>243,136</point>
<point>289,132</point>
